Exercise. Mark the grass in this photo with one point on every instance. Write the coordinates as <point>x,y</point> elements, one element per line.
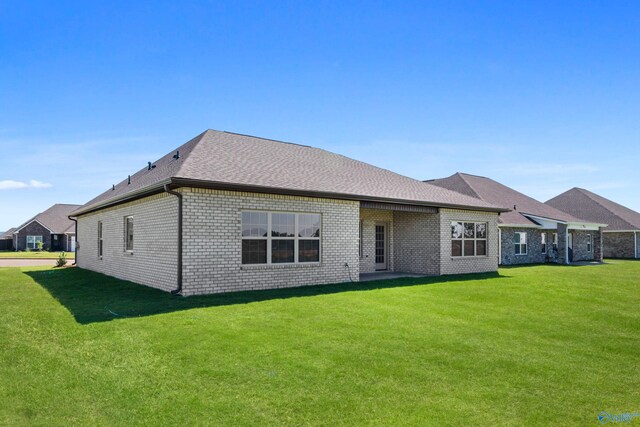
<point>535,345</point>
<point>35,255</point>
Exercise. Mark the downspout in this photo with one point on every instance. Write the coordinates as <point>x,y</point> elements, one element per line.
<point>178,290</point>
<point>75,259</point>
<point>635,244</point>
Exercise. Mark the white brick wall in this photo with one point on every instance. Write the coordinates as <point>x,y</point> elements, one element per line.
<point>463,265</point>
<point>154,259</point>
<point>212,242</point>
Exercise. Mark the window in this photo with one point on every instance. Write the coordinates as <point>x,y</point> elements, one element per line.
<point>543,242</point>
<point>32,242</point>
<point>520,242</point>
<point>100,239</point>
<point>280,238</point>
<point>128,234</point>
<point>589,243</point>
<point>468,239</point>
<point>555,242</point>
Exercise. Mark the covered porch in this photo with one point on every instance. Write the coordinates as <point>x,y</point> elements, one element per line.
<point>398,241</point>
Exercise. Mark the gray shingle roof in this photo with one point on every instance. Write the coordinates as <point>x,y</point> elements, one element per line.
<point>8,234</point>
<point>592,207</point>
<point>500,195</point>
<point>55,218</point>
<point>229,159</point>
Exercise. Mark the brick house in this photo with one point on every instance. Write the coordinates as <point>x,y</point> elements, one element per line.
<point>621,237</point>
<point>52,227</point>
<point>532,232</point>
<point>228,212</point>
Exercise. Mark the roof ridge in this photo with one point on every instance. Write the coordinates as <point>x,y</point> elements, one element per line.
<point>473,190</point>
<point>259,137</point>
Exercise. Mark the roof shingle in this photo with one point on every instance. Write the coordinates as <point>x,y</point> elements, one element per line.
<point>226,158</point>
<point>500,195</point>
<point>55,218</point>
<point>592,207</point>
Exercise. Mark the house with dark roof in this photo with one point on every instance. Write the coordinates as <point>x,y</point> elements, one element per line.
<point>621,237</point>
<point>229,212</point>
<point>531,232</point>
<point>6,240</point>
<point>52,227</point>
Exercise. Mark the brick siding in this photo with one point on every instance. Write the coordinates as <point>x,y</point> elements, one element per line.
<point>618,245</point>
<point>154,259</point>
<point>34,228</point>
<point>212,250</point>
<point>463,265</point>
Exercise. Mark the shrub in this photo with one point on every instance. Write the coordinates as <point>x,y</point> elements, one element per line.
<point>62,260</point>
<point>40,245</point>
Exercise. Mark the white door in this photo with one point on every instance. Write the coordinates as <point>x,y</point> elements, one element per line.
<point>381,247</point>
<point>570,246</point>
<point>73,243</point>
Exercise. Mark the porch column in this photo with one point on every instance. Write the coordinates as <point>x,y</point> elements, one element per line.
<point>563,244</point>
<point>597,245</point>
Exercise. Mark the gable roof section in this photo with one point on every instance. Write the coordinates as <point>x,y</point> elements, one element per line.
<point>592,207</point>
<point>8,234</point>
<point>55,219</point>
<point>233,161</point>
<point>498,194</point>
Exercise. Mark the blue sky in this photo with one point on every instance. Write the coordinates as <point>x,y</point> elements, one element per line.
<point>542,96</point>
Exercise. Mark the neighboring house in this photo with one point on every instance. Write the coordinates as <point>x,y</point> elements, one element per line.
<point>532,232</point>
<point>52,227</point>
<point>229,212</point>
<point>621,238</point>
<point>6,240</point>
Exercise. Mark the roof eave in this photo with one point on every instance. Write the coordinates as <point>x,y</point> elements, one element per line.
<point>187,182</point>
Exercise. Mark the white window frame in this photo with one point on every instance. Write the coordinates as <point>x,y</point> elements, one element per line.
<point>126,234</point>
<point>543,242</point>
<point>589,243</point>
<point>101,239</point>
<point>35,239</point>
<point>296,238</point>
<point>475,239</point>
<point>526,245</point>
<point>555,242</point>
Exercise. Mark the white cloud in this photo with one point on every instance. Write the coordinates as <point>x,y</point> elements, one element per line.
<point>13,185</point>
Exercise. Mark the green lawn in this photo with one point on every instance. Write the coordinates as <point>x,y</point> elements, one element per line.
<point>543,345</point>
<point>35,254</point>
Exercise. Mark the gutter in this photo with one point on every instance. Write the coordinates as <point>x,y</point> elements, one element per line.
<point>178,289</point>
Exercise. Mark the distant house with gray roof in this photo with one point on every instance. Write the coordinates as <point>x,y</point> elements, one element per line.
<point>531,232</point>
<point>621,238</point>
<point>230,212</point>
<point>52,227</point>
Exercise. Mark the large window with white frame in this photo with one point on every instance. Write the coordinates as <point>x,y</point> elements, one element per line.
<point>520,243</point>
<point>468,239</point>
<point>32,242</point>
<point>128,234</point>
<point>589,243</point>
<point>280,237</point>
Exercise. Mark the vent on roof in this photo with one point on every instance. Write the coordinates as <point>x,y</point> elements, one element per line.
<point>177,155</point>
<point>128,179</point>
<point>150,166</point>
<point>113,187</point>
